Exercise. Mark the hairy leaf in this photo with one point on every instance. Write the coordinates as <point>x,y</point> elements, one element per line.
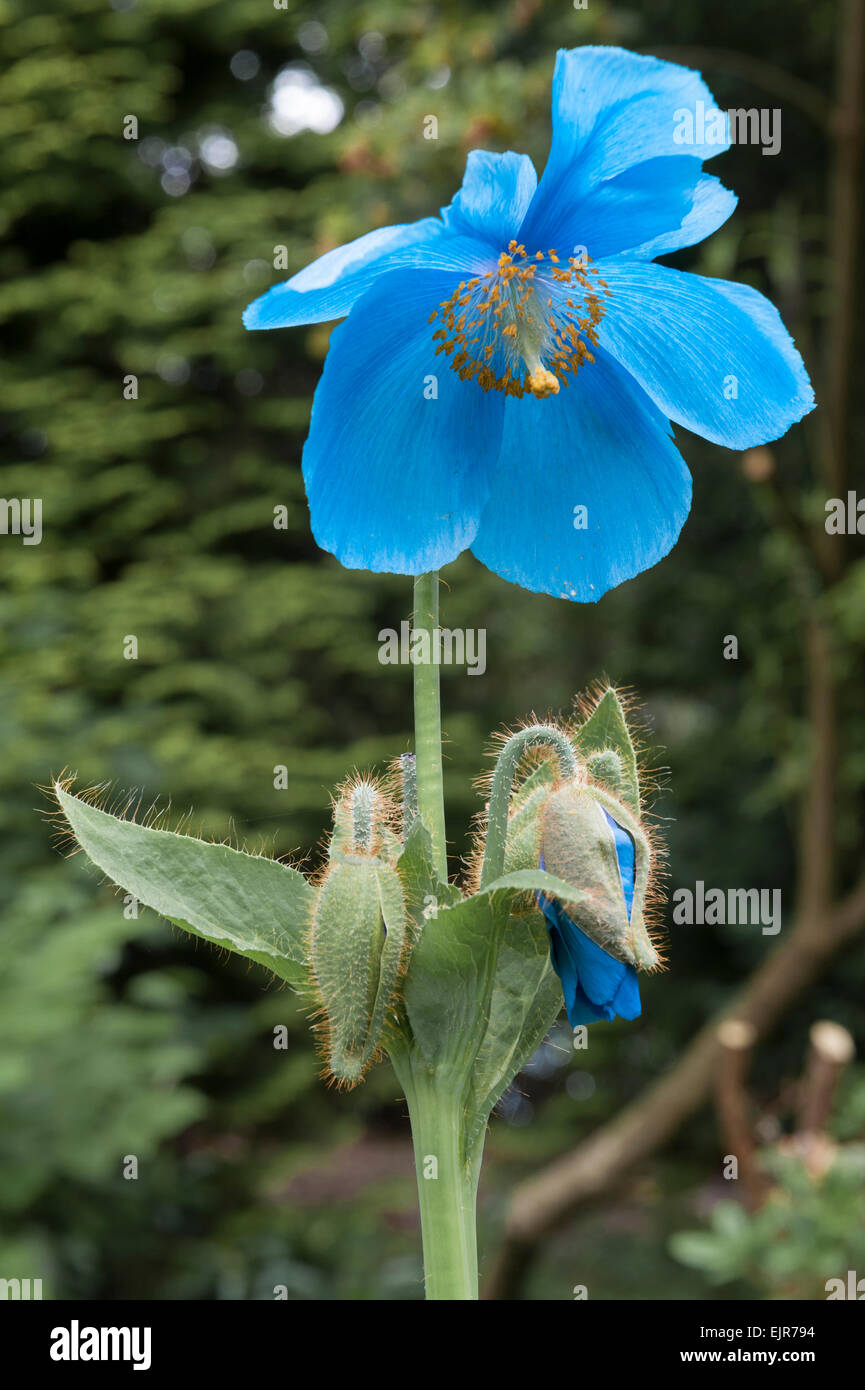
<point>242,902</point>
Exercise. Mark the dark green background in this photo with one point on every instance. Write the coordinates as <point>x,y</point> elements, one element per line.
<point>118,1037</point>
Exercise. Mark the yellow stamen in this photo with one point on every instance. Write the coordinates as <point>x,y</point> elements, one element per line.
<point>525,339</point>
<point>542,383</point>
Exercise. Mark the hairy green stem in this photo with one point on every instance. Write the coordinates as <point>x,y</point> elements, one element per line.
<point>427,721</point>
<point>503,780</point>
<point>447,1180</point>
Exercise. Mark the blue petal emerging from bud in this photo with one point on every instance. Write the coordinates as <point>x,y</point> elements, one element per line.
<point>627,856</point>
<point>595,985</point>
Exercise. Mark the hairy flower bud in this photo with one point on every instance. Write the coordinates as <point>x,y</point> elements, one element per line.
<point>359,940</point>
<point>606,767</point>
<point>362,820</point>
<point>590,839</point>
<point>523,845</point>
<point>578,816</point>
<point>357,953</point>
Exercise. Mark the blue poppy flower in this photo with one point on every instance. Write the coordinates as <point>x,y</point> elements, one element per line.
<point>520,358</point>
<point>595,984</point>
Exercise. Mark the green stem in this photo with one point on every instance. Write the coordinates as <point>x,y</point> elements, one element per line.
<point>446,1180</point>
<point>427,721</point>
<point>503,780</point>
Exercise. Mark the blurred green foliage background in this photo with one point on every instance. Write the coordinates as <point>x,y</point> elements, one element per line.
<point>135,257</point>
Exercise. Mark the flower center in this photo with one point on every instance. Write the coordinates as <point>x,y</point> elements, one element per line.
<point>523,326</point>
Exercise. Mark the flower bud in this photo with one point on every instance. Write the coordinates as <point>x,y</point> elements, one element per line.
<point>590,839</point>
<point>523,844</point>
<point>597,943</point>
<point>582,823</point>
<point>606,768</point>
<point>362,823</point>
<point>359,939</point>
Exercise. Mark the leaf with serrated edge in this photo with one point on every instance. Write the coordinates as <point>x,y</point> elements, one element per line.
<point>242,902</point>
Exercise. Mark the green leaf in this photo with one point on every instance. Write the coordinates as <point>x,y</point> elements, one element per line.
<point>423,889</point>
<point>480,993</point>
<point>242,902</point>
<point>527,998</point>
<point>536,881</point>
<point>605,728</point>
<point>449,979</point>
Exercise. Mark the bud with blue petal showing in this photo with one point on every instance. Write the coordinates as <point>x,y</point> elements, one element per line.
<point>598,944</point>
<point>359,941</point>
<point>578,816</point>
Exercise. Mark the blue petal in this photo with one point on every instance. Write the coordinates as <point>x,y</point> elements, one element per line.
<point>595,985</point>
<point>396,481</point>
<point>626,854</point>
<point>495,194</point>
<point>640,205</point>
<point>327,288</point>
<point>714,356</point>
<point>611,109</point>
<point>711,205</point>
<point>599,444</point>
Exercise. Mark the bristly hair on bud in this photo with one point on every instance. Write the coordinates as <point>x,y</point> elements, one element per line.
<point>611,711</point>
<point>399,786</point>
<point>607,710</point>
<point>360,937</point>
<point>568,817</point>
<point>536,765</point>
<point>366,819</point>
